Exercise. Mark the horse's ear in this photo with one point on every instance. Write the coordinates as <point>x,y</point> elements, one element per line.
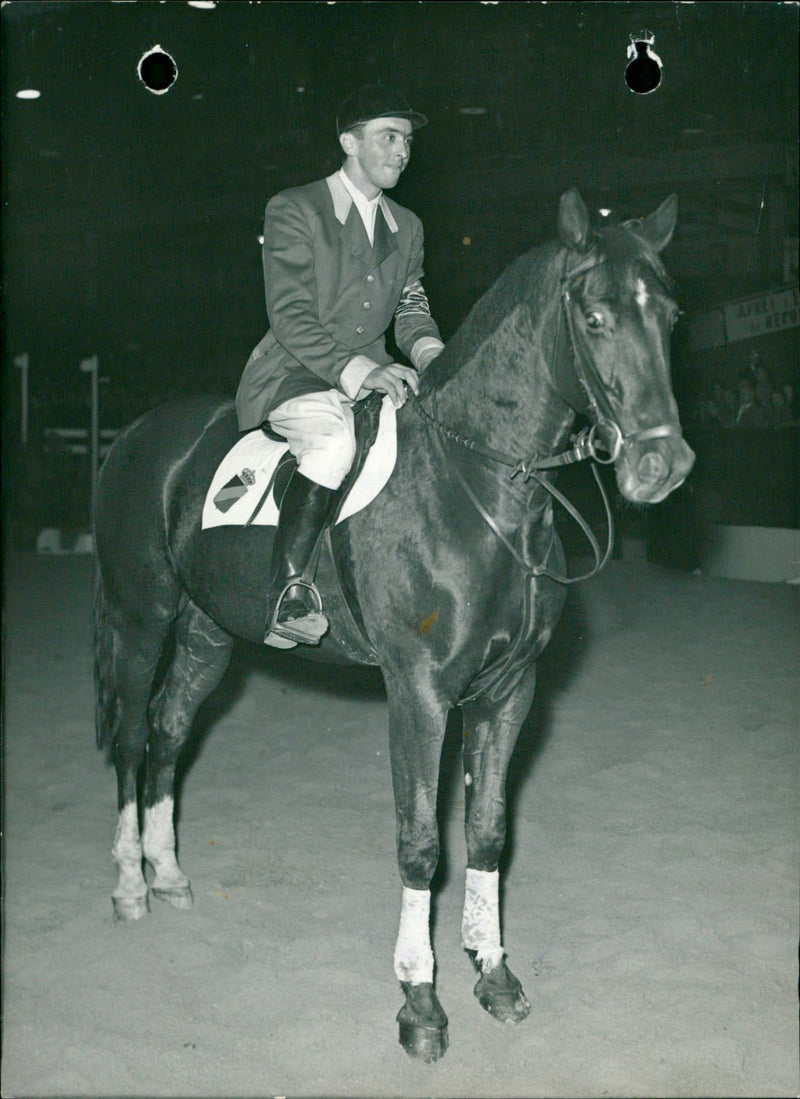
<point>657,228</point>
<point>573,221</point>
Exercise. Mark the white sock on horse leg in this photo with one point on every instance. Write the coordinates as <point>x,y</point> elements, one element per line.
<point>480,928</point>
<point>413,956</point>
<point>158,841</point>
<point>127,853</point>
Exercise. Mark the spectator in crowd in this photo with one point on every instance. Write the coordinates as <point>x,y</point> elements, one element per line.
<point>782,414</point>
<point>746,415</point>
<point>758,371</point>
<point>756,402</point>
<point>762,398</point>
<point>722,407</point>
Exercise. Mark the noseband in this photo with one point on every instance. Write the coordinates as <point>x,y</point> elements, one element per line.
<point>603,441</point>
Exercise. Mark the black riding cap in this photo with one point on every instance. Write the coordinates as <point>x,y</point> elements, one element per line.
<point>375,101</point>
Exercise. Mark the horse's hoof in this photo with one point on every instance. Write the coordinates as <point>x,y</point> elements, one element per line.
<point>127,909</point>
<point>423,1024</point>
<point>500,993</point>
<point>180,897</point>
<point>428,1044</point>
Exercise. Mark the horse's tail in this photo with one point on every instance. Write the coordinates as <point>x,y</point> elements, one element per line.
<point>107,700</point>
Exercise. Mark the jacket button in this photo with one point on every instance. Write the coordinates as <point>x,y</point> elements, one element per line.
<point>360,330</point>
<point>367,305</point>
<point>370,278</point>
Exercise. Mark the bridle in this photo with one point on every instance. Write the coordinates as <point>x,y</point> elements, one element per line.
<point>584,369</point>
<point>603,441</point>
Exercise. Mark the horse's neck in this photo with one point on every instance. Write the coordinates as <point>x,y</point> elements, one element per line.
<point>502,393</point>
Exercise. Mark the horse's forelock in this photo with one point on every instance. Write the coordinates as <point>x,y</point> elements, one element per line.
<point>624,252</point>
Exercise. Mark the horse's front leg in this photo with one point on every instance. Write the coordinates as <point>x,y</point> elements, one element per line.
<point>489,735</point>
<point>416,732</point>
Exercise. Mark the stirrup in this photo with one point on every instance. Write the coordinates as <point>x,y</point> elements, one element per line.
<point>307,630</point>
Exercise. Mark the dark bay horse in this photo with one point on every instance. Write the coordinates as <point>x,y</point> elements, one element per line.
<point>452,581</point>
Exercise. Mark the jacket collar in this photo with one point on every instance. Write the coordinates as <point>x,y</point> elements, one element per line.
<point>353,234</point>
<point>342,202</point>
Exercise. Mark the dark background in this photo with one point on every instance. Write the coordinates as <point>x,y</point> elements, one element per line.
<point>131,219</point>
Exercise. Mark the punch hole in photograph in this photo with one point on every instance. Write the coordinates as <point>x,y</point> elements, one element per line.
<point>643,72</point>
<point>157,70</point>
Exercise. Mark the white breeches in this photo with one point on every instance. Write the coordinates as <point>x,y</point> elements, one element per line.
<point>320,431</point>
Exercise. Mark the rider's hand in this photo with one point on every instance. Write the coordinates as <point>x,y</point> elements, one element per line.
<point>393,379</point>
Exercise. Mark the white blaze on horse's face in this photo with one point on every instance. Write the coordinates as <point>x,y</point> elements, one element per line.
<point>655,458</point>
<point>641,295</point>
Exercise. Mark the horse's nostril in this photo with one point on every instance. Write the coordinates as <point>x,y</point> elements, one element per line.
<point>652,467</point>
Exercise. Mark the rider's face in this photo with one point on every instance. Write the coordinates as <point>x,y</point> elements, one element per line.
<point>375,160</point>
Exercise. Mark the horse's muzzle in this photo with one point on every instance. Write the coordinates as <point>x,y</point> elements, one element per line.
<point>650,469</point>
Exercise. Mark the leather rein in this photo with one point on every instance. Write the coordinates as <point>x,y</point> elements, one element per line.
<point>602,441</point>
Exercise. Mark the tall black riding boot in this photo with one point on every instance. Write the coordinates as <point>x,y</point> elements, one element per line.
<point>295,607</point>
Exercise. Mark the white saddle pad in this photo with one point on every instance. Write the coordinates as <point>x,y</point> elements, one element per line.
<point>238,493</point>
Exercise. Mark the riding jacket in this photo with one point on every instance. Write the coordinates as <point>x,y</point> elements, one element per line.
<point>331,297</point>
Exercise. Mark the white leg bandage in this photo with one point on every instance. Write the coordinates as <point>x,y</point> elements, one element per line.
<point>413,956</point>
<point>480,928</point>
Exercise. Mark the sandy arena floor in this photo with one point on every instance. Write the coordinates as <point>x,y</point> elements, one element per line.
<point>651,893</point>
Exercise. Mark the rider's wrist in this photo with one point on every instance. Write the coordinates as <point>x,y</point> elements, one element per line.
<point>424,351</point>
<point>352,377</point>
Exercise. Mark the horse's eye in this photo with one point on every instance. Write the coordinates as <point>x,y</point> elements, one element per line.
<point>595,320</point>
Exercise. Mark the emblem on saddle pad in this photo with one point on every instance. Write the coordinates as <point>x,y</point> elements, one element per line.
<point>234,489</point>
<point>241,490</point>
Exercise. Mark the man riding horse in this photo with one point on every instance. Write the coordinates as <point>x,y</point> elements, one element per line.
<point>341,261</point>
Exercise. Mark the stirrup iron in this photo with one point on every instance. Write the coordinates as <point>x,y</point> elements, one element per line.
<point>306,630</point>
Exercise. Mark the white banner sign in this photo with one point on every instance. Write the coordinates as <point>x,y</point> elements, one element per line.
<point>762,314</point>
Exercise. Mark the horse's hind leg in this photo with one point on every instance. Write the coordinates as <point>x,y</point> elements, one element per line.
<point>490,733</point>
<point>202,654</point>
<point>131,668</point>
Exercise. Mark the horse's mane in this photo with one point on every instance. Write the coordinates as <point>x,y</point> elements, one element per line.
<point>521,281</point>
<point>535,275</point>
